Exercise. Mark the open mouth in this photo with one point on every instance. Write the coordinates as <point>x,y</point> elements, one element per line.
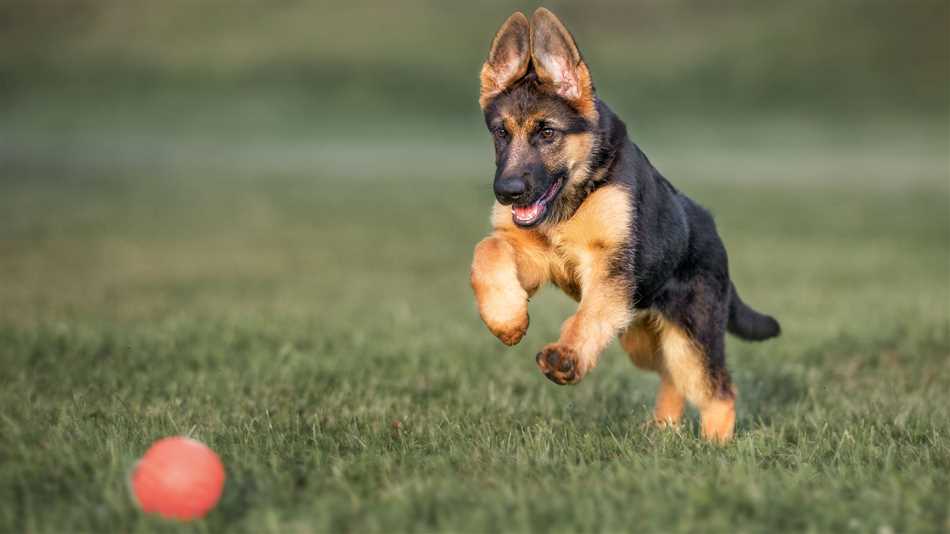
<point>533,213</point>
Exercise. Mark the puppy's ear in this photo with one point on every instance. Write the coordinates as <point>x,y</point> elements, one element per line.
<point>508,59</point>
<point>558,62</point>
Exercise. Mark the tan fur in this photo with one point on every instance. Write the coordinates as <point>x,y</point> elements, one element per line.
<point>670,403</point>
<point>684,363</point>
<point>526,126</point>
<point>602,222</point>
<point>502,298</point>
<point>641,342</point>
<point>576,152</point>
<point>719,419</point>
<point>660,345</point>
<point>574,255</point>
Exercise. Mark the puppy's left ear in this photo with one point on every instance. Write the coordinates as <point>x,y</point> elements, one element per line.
<point>558,62</point>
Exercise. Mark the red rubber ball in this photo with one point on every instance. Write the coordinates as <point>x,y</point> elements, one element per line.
<point>178,478</point>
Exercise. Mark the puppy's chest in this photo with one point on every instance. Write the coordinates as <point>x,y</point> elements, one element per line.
<point>581,248</point>
<point>578,251</point>
<point>564,261</point>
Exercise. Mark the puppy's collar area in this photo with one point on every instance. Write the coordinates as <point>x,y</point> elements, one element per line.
<point>598,178</point>
<point>590,185</point>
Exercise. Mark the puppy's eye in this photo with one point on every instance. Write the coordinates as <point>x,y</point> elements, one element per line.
<point>500,133</point>
<point>548,134</point>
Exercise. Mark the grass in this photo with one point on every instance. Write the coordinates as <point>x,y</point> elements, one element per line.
<point>319,333</point>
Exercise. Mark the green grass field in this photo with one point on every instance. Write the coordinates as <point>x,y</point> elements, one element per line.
<point>319,333</point>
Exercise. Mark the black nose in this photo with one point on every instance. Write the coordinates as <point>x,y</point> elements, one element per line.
<point>509,190</point>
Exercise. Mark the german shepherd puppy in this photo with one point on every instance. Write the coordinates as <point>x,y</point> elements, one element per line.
<point>579,205</point>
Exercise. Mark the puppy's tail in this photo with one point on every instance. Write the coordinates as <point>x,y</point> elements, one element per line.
<point>748,323</point>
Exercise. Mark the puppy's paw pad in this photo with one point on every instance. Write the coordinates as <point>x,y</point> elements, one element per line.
<point>560,364</point>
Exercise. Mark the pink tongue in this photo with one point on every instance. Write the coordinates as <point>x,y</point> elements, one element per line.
<point>527,213</point>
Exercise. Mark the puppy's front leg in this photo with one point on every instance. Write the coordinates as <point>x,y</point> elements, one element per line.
<point>603,311</point>
<point>504,275</point>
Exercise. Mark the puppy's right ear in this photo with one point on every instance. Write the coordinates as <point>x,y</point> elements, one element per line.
<point>508,59</point>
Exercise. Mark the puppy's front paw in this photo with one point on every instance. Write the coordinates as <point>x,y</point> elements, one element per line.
<point>507,318</point>
<point>561,364</point>
<point>510,332</point>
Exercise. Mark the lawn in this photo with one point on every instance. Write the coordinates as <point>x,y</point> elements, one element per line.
<point>319,333</point>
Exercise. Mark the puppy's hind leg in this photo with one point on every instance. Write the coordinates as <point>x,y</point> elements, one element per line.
<point>642,342</point>
<point>697,371</point>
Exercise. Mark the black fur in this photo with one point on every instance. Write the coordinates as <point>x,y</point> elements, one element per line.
<point>748,323</point>
<point>676,259</point>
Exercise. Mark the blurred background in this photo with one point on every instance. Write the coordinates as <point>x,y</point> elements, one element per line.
<point>385,89</point>
<point>252,221</point>
<point>155,155</point>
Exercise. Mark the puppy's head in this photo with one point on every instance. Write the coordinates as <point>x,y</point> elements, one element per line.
<point>540,107</point>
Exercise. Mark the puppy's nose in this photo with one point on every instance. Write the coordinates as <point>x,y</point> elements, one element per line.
<point>510,190</point>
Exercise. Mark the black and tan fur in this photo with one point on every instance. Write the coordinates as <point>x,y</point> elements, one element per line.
<point>643,261</point>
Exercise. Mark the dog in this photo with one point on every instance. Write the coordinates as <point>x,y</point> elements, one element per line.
<point>579,205</point>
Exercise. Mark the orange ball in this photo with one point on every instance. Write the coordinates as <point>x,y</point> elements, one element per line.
<point>178,478</point>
